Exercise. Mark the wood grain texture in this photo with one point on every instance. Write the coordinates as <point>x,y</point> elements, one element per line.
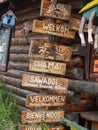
<point>52,29</point>
<point>50,67</point>
<point>44,81</point>
<point>45,100</point>
<point>29,117</point>
<point>55,10</point>
<point>49,51</point>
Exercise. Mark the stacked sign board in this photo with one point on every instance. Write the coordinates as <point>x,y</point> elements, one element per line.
<point>51,59</point>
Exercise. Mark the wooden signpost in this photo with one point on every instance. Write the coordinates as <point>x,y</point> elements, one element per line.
<point>32,127</point>
<point>52,29</point>
<point>55,10</point>
<point>46,82</point>
<point>49,51</point>
<point>45,100</point>
<point>47,67</point>
<point>29,117</point>
<point>46,58</point>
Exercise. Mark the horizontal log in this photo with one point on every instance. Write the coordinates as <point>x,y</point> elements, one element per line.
<point>19,91</point>
<point>15,73</point>
<point>78,50</point>
<point>86,96</point>
<point>28,16</point>
<point>20,41</point>
<point>19,58</point>
<point>20,100</point>
<point>83,86</point>
<point>25,10</point>
<point>26,41</point>
<point>84,105</point>
<point>21,108</point>
<point>76,62</point>
<point>19,49</point>
<point>12,81</point>
<point>18,66</point>
<point>74,73</point>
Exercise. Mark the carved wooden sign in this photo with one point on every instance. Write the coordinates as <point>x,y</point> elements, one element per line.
<point>45,100</point>
<point>47,67</point>
<point>47,82</point>
<point>55,10</point>
<point>32,127</point>
<point>49,51</point>
<point>53,29</point>
<point>29,117</point>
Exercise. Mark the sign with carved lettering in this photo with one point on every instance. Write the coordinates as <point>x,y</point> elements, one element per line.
<point>49,51</point>
<point>29,117</point>
<point>47,67</point>
<point>44,81</point>
<point>53,29</point>
<point>55,10</point>
<point>32,127</point>
<point>34,100</point>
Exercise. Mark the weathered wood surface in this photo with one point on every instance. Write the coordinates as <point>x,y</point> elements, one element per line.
<point>52,29</point>
<point>31,127</point>
<point>18,65</point>
<point>83,86</point>
<point>19,58</point>
<point>84,105</point>
<point>44,50</point>
<point>40,100</point>
<point>55,10</point>
<point>47,67</point>
<point>76,62</point>
<point>19,49</point>
<point>74,73</point>
<point>73,85</point>
<point>37,116</point>
<point>78,50</point>
<point>46,82</point>
<point>90,116</point>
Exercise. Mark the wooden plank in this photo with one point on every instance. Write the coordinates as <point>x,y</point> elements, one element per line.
<point>55,10</point>
<point>39,116</point>
<point>45,100</point>
<point>46,82</point>
<point>49,51</point>
<point>47,67</point>
<point>53,29</point>
<point>32,127</point>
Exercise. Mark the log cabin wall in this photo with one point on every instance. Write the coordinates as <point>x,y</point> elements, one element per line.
<point>18,62</point>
